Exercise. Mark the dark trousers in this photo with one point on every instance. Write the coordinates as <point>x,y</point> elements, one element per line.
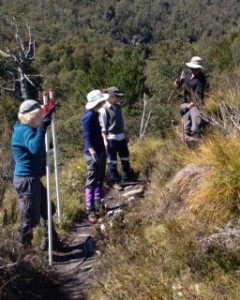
<point>95,170</point>
<point>32,198</point>
<point>118,148</point>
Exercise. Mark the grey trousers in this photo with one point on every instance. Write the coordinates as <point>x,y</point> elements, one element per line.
<point>32,198</point>
<point>95,170</point>
<point>192,120</point>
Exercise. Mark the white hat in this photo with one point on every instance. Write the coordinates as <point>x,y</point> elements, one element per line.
<point>94,98</point>
<point>196,58</point>
<point>29,106</point>
<point>195,63</point>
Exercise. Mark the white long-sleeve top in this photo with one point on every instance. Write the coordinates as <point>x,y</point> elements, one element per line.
<point>103,122</point>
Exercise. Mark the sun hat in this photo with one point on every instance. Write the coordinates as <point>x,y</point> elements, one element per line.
<point>196,58</point>
<point>195,63</point>
<point>114,91</point>
<point>29,106</point>
<point>94,98</point>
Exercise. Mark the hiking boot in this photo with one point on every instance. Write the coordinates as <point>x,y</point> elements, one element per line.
<point>116,186</point>
<point>44,244</point>
<point>100,207</point>
<point>60,246</point>
<point>129,178</point>
<point>92,218</point>
<point>25,245</point>
<point>25,238</point>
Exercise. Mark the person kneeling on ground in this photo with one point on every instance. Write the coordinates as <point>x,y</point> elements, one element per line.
<point>27,142</point>
<point>94,153</point>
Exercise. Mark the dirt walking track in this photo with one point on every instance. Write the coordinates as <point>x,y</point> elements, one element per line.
<point>75,269</point>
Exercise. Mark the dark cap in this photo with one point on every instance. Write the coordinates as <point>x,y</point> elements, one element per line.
<point>114,91</point>
<point>28,105</point>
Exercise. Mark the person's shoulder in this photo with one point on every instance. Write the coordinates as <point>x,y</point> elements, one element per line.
<point>87,113</point>
<point>22,127</point>
<point>27,131</point>
<point>87,116</point>
<point>84,116</point>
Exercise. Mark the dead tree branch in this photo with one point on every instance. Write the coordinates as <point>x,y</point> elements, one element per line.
<point>145,120</point>
<point>18,60</point>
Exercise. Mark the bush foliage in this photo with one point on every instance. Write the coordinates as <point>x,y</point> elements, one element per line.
<point>140,47</point>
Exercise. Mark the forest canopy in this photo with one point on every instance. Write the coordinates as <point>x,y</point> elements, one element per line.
<point>139,46</point>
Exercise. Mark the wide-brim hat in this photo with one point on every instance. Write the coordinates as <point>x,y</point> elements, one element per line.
<point>114,91</point>
<point>94,98</point>
<point>29,106</point>
<point>195,63</point>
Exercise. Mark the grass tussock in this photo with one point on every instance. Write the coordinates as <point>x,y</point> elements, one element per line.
<point>143,155</point>
<point>71,184</point>
<point>5,158</point>
<point>203,184</point>
<point>217,198</point>
<point>223,104</point>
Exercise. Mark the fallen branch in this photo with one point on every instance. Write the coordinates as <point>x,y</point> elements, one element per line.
<point>11,279</point>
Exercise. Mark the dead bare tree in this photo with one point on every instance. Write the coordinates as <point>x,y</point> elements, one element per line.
<point>18,77</point>
<point>145,119</point>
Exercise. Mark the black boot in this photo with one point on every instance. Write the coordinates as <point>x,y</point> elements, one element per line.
<point>44,241</point>
<point>100,207</point>
<point>25,238</point>
<point>58,245</point>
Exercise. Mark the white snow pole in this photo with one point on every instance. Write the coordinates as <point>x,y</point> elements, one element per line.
<point>49,206</point>
<point>51,104</point>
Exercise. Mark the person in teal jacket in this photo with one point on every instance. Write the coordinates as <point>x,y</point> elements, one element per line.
<point>27,143</point>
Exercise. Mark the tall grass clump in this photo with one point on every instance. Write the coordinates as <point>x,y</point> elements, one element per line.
<point>143,155</point>
<point>8,213</point>
<point>223,104</point>
<point>156,155</point>
<point>71,185</point>
<point>217,198</point>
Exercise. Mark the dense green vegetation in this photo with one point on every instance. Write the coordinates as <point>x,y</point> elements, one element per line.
<point>130,22</point>
<point>139,46</point>
<point>76,53</point>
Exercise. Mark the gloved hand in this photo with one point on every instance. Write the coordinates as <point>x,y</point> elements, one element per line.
<point>46,122</point>
<point>95,157</point>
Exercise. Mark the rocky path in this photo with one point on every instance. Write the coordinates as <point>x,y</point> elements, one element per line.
<point>75,269</point>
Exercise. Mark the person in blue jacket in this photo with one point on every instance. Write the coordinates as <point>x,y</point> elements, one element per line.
<point>27,143</point>
<point>94,153</point>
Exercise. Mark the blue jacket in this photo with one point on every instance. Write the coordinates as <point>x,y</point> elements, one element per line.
<point>92,132</point>
<point>27,143</point>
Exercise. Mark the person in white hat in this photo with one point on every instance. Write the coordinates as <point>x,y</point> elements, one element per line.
<point>27,143</point>
<point>193,80</point>
<point>94,153</point>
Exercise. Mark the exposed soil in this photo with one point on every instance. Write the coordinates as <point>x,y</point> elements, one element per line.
<point>75,269</point>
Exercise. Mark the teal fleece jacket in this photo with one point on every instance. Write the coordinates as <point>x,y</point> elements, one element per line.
<point>26,144</point>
